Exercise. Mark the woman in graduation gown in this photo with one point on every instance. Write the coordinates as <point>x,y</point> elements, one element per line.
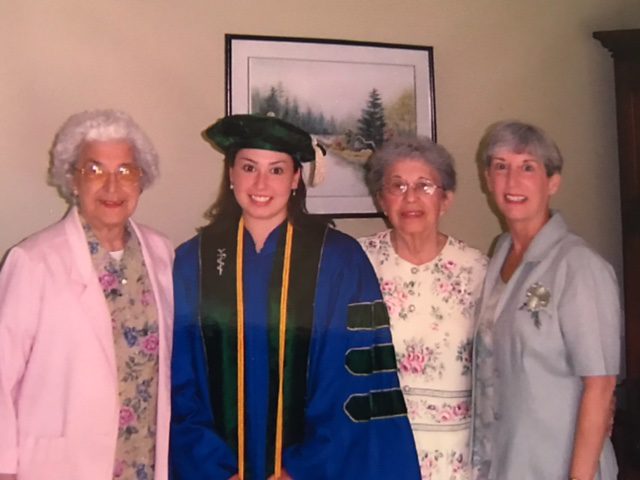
<point>283,363</point>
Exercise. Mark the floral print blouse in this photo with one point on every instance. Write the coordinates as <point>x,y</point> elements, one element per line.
<point>127,290</point>
<point>432,320</point>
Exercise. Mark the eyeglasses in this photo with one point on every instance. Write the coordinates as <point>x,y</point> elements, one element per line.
<point>399,187</point>
<point>94,172</point>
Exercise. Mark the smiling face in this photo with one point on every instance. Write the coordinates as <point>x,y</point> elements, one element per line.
<point>520,187</point>
<point>414,212</point>
<point>262,181</point>
<point>106,201</point>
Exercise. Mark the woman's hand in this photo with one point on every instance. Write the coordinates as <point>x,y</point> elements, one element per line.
<point>612,419</point>
<point>283,476</point>
<point>593,425</point>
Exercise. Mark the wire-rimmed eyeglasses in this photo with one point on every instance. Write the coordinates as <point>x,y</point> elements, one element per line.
<point>126,173</point>
<point>400,187</point>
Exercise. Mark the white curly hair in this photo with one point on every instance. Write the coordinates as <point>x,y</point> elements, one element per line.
<point>98,125</point>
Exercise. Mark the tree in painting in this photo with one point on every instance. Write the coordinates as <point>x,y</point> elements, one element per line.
<point>371,123</point>
<point>401,115</point>
<point>272,102</point>
<point>277,101</point>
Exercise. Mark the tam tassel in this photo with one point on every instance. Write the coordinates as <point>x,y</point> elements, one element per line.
<point>317,168</point>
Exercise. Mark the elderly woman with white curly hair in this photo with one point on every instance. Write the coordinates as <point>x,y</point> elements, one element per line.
<point>85,319</point>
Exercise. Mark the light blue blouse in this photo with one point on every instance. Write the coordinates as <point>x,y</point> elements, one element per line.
<point>557,320</point>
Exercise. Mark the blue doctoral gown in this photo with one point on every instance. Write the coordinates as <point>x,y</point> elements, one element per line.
<point>335,445</point>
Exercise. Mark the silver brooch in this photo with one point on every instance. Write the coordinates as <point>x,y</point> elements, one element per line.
<point>537,298</point>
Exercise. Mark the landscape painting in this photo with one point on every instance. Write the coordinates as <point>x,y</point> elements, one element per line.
<point>351,96</point>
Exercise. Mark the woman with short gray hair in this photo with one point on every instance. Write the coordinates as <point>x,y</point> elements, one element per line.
<point>430,282</point>
<point>521,137</point>
<point>86,308</point>
<point>547,345</point>
<point>432,154</point>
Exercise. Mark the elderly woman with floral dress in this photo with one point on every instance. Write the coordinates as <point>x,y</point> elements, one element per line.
<point>547,347</point>
<point>85,319</point>
<point>430,282</point>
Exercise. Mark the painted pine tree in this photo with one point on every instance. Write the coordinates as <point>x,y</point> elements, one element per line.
<point>371,123</point>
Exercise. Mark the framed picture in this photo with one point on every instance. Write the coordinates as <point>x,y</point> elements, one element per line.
<point>351,96</point>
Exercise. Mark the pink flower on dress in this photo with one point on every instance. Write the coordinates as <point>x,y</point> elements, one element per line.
<point>127,416</point>
<point>445,415</point>
<point>150,343</point>
<point>387,286</point>
<point>458,463</point>
<point>413,361</point>
<point>449,265</point>
<point>444,287</point>
<point>147,297</point>
<point>461,410</point>
<point>429,464</point>
<point>393,305</point>
<point>395,299</point>
<point>108,281</point>
<point>118,468</point>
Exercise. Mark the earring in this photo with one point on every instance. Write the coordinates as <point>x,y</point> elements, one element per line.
<point>231,186</point>
<point>293,192</point>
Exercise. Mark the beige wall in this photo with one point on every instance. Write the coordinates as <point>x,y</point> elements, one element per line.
<point>163,61</point>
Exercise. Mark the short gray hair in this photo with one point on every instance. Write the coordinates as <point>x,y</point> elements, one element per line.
<point>520,137</point>
<point>417,148</point>
<point>98,125</point>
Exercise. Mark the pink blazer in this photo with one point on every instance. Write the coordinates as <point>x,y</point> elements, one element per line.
<point>58,383</point>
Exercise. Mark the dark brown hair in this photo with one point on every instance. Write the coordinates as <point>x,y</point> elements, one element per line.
<point>226,211</point>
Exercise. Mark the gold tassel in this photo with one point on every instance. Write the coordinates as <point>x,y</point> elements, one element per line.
<point>282,331</point>
<point>240,340</point>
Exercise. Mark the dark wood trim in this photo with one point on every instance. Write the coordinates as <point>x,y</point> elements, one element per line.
<point>624,46</point>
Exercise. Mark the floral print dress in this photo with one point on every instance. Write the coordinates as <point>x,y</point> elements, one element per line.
<point>128,292</point>
<point>431,307</point>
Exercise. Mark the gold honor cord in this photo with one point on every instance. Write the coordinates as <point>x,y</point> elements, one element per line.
<point>240,347</point>
<point>281,347</point>
<point>284,295</point>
